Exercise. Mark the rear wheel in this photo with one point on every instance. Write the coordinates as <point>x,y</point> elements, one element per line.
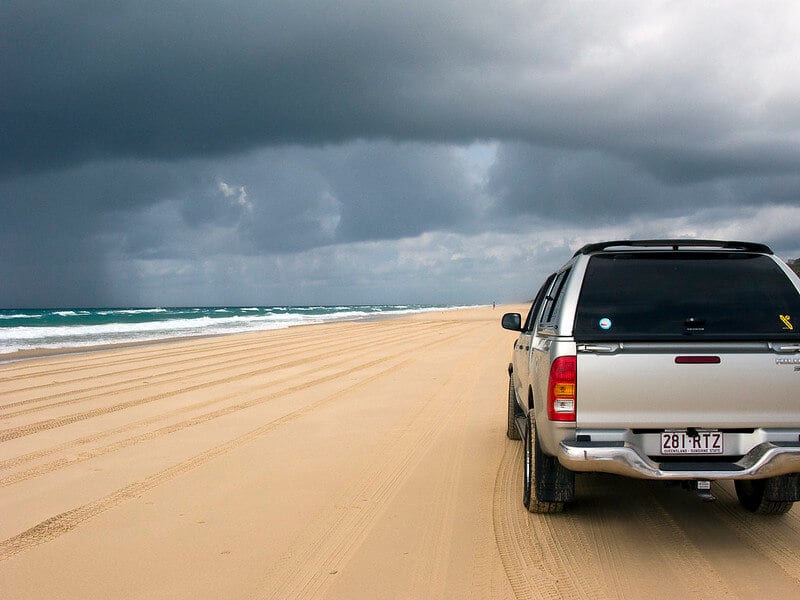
<point>513,411</point>
<point>537,465</point>
<point>750,493</point>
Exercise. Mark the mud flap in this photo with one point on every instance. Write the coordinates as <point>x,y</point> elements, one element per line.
<point>784,488</point>
<point>554,482</point>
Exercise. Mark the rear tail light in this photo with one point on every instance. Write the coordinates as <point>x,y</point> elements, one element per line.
<point>562,388</point>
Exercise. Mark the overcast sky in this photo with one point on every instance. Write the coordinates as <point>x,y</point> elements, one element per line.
<point>308,152</point>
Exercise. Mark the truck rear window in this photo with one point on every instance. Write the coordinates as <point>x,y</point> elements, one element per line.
<point>652,296</point>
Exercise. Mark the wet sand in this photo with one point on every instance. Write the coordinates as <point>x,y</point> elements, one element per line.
<point>347,460</point>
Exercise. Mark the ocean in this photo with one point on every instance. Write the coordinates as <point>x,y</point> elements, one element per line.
<point>52,329</point>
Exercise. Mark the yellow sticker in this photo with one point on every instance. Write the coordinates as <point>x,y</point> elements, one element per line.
<point>787,321</point>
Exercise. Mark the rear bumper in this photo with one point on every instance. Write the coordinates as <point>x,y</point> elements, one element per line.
<point>768,459</point>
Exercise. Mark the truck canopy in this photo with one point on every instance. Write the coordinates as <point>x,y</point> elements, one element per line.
<point>686,296</point>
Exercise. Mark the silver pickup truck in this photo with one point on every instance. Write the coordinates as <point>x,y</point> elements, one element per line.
<point>661,359</point>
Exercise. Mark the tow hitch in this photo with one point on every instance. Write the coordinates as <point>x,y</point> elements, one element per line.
<point>703,489</point>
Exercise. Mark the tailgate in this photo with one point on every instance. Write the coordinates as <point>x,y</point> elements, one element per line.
<point>641,386</point>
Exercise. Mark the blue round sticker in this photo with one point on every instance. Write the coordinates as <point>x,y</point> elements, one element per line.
<point>605,323</point>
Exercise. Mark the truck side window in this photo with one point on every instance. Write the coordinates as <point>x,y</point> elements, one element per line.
<point>553,299</point>
<point>530,321</point>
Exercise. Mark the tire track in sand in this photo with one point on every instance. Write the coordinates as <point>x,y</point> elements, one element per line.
<point>106,358</point>
<point>199,419</point>
<point>529,576</point>
<point>774,536</point>
<point>559,556</point>
<point>304,571</point>
<point>429,578</point>
<point>170,373</point>
<point>36,427</point>
<point>65,522</point>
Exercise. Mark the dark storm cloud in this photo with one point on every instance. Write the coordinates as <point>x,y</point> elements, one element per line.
<point>579,187</point>
<point>153,149</point>
<point>669,84</point>
<point>166,80</point>
<point>590,187</point>
<point>393,191</point>
<point>285,198</point>
<point>58,228</point>
<point>298,198</point>
<point>75,198</point>
<point>53,271</point>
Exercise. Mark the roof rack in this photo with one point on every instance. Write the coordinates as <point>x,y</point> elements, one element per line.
<point>676,245</point>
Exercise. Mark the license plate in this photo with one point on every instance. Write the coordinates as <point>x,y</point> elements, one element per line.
<point>680,442</point>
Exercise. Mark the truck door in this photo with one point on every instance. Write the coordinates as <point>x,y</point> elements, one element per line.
<point>523,347</point>
<point>546,332</point>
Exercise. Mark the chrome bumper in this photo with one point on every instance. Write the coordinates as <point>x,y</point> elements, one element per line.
<point>767,459</point>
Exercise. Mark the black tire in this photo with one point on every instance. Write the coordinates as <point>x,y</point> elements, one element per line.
<point>535,462</point>
<point>750,493</point>
<point>513,411</point>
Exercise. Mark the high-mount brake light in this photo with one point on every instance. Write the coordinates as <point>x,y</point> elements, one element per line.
<point>562,389</point>
<point>697,360</point>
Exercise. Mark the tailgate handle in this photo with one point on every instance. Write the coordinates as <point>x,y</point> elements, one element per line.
<point>786,348</point>
<point>595,348</point>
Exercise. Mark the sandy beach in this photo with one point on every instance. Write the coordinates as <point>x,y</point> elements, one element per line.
<point>346,460</point>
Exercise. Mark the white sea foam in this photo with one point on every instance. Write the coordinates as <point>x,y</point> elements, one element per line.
<point>24,337</point>
<point>131,311</point>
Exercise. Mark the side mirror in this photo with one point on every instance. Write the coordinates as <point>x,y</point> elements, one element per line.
<point>512,321</point>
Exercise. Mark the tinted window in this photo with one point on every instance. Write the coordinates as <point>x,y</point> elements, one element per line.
<point>676,295</point>
<point>537,303</point>
<point>554,299</point>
